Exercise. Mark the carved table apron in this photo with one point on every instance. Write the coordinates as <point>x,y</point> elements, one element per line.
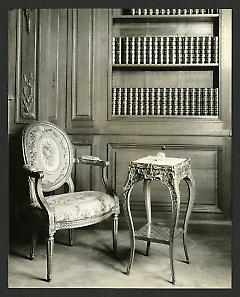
<point>170,171</point>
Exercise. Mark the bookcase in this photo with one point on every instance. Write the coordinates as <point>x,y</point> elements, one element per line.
<point>165,64</point>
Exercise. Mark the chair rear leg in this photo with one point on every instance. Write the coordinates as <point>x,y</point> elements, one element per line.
<point>50,243</point>
<point>115,233</point>
<point>33,244</point>
<point>70,237</point>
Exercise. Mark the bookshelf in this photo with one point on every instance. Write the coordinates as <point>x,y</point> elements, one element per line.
<point>162,66</point>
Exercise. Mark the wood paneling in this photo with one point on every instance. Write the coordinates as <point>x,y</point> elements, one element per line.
<point>82,174</point>
<point>26,73</point>
<point>53,57</point>
<point>225,77</point>
<point>68,52</point>
<point>81,64</point>
<point>206,157</point>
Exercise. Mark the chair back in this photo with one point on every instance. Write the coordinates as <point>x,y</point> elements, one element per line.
<point>48,148</point>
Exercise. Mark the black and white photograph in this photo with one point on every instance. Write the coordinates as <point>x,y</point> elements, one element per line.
<point>120,147</point>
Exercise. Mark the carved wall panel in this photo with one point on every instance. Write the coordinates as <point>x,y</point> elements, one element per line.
<point>81,66</point>
<point>52,65</point>
<point>26,65</point>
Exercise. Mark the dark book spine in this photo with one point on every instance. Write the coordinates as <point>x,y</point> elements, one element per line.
<point>215,50</point>
<point>205,101</point>
<point>113,51</point>
<point>119,101</point>
<point>211,102</point>
<point>164,101</point>
<point>155,50</point>
<point>216,102</point>
<point>136,101</point>
<point>175,101</point>
<point>192,101</point>
<point>181,102</point>
<point>198,101</point>
<point>151,101</point>
<point>158,101</point>
<point>141,101</point>
<point>114,101</point>
<point>170,101</point>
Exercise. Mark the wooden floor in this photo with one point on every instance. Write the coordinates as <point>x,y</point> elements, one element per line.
<point>90,263</point>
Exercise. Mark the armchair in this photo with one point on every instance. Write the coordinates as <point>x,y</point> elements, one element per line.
<point>48,158</point>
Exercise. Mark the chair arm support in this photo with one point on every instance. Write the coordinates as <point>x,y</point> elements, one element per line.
<point>106,183</point>
<point>38,176</point>
<point>91,160</point>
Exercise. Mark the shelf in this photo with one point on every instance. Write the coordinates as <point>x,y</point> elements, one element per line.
<point>168,18</point>
<point>156,233</point>
<point>172,117</point>
<point>164,66</point>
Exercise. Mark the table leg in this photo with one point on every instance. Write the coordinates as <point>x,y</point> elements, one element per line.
<point>126,207</point>
<point>147,194</point>
<point>191,187</point>
<point>175,198</point>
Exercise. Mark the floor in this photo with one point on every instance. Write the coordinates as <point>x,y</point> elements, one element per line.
<point>90,264</point>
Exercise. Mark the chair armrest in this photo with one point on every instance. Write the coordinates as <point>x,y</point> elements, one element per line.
<point>33,172</point>
<point>95,161</point>
<point>91,160</point>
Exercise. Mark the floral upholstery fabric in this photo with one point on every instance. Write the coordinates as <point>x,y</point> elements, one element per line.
<point>48,149</point>
<point>79,205</point>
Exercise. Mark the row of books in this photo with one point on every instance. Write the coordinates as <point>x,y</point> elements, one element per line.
<point>165,50</point>
<point>157,11</point>
<point>165,101</point>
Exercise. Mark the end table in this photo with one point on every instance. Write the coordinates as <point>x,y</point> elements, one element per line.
<point>170,171</point>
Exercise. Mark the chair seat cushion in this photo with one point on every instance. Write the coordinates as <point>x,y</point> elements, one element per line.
<point>80,205</point>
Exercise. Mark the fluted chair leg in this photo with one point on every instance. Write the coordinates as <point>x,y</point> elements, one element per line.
<point>148,248</point>
<point>33,244</point>
<point>50,243</point>
<point>70,237</point>
<point>115,233</point>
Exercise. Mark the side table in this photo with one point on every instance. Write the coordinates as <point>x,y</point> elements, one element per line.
<point>170,171</point>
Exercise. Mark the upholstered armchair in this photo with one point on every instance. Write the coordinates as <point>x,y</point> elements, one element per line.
<point>48,157</point>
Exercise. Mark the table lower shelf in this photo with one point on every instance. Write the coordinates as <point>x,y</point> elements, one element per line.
<point>156,233</point>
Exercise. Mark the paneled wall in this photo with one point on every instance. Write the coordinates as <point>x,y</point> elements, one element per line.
<point>59,70</point>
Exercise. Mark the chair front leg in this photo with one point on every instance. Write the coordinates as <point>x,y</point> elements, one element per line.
<point>50,243</point>
<point>33,243</point>
<point>115,232</point>
<point>70,237</point>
